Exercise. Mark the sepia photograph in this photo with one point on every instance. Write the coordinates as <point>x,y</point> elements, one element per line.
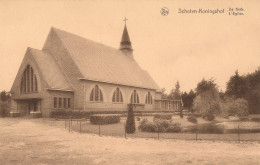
<point>127,82</point>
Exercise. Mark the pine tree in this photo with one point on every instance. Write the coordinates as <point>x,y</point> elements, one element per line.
<point>130,121</point>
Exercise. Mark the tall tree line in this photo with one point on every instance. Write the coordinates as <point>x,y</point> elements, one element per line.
<point>245,87</point>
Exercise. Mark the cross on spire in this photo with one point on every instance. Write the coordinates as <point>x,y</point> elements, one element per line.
<point>125,20</point>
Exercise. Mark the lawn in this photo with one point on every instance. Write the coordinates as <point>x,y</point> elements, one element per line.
<point>119,131</point>
<point>45,141</point>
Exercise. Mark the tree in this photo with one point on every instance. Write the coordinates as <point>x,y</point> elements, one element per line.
<point>246,87</point>
<point>207,100</point>
<point>130,121</point>
<point>4,96</point>
<point>237,86</point>
<point>4,108</point>
<point>239,107</point>
<point>206,85</point>
<point>164,94</point>
<point>188,98</point>
<point>175,93</point>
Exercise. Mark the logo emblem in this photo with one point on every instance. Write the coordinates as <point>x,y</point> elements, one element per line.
<point>164,11</point>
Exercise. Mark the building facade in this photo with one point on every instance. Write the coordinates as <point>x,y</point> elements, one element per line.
<point>74,73</point>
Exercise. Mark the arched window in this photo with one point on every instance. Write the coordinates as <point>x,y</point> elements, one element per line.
<point>96,94</point>
<point>29,81</point>
<point>117,96</point>
<point>134,98</point>
<point>148,99</point>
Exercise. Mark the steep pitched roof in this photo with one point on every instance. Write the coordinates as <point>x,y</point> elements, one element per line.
<point>98,62</point>
<point>51,71</point>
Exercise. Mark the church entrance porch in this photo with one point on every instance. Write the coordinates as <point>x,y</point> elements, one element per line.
<point>29,106</point>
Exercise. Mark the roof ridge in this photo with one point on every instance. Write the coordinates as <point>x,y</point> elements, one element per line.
<point>96,61</point>
<point>47,55</point>
<point>76,35</point>
<point>29,49</point>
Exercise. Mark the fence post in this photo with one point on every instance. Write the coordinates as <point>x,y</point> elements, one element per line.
<point>99,129</point>
<point>69,125</point>
<point>65,124</point>
<point>158,135</point>
<point>196,132</point>
<point>238,133</point>
<point>80,126</point>
<point>125,131</point>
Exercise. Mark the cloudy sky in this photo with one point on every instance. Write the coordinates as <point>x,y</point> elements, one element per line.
<point>180,46</point>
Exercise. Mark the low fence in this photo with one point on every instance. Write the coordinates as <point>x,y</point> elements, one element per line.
<point>118,130</point>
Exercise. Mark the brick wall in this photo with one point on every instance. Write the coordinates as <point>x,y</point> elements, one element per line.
<point>108,91</point>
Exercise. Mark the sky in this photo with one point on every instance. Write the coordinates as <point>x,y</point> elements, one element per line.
<point>184,47</point>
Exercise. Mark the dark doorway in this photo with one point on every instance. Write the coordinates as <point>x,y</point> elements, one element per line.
<point>32,105</point>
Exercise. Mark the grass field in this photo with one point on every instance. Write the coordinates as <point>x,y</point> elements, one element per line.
<point>44,141</point>
<point>118,131</point>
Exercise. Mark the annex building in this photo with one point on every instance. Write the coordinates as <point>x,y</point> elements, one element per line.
<point>74,73</point>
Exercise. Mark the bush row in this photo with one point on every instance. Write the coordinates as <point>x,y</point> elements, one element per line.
<point>207,128</point>
<point>69,114</point>
<point>159,125</point>
<point>76,114</point>
<point>162,116</point>
<point>101,119</point>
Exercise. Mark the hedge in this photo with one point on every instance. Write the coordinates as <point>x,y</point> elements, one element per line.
<point>102,119</point>
<point>76,114</point>
<point>163,116</point>
<point>64,114</point>
<point>208,128</point>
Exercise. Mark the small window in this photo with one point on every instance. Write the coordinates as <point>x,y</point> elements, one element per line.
<point>65,102</point>
<point>60,104</point>
<point>149,99</point>
<point>68,102</point>
<point>55,102</point>
<point>96,94</point>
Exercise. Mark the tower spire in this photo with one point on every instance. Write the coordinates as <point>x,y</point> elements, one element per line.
<point>125,43</point>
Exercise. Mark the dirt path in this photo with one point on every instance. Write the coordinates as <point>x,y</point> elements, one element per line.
<point>41,141</point>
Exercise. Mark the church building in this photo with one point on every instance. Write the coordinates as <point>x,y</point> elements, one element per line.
<point>74,73</point>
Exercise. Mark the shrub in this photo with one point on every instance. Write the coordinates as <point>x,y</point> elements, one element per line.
<point>138,118</point>
<point>130,121</point>
<point>192,119</point>
<point>4,109</point>
<point>208,116</point>
<point>207,128</point>
<point>147,126</point>
<point>176,127</point>
<point>181,113</point>
<point>102,119</point>
<point>159,125</point>
<point>162,116</point>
